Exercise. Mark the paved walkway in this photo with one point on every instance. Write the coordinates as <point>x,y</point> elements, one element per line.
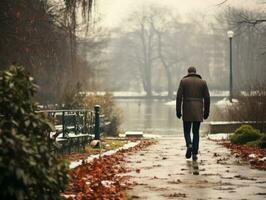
<point>162,172</point>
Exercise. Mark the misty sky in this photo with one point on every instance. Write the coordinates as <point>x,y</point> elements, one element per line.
<point>113,12</point>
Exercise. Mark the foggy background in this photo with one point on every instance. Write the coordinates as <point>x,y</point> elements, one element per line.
<point>148,45</point>
<point>136,46</point>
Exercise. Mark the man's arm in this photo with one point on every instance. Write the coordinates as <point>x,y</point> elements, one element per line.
<point>179,98</point>
<point>206,96</point>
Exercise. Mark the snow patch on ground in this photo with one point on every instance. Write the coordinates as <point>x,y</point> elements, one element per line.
<point>225,102</point>
<point>151,136</point>
<point>107,183</point>
<point>263,159</point>
<point>230,122</point>
<point>252,155</point>
<point>219,93</point>
<point>68,196</point>
<point>219,136</point>
<point>146,136</point>
<point>170,103</point>
<point>75,164</point>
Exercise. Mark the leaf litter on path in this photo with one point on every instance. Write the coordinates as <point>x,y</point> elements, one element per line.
<point>99,179</point>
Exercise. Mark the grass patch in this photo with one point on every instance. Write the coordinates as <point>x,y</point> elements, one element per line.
<point>106,145</point>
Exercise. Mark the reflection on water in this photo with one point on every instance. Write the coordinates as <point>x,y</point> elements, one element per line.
<point>150,116</point>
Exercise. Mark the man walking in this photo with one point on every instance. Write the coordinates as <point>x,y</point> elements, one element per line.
<point>194,98</point>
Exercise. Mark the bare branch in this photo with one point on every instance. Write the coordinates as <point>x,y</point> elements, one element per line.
<point>251,22</point>
<point>224,1</point>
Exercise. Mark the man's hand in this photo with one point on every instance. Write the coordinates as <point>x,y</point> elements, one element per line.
<point>178,115</point>
<point>206,114</point>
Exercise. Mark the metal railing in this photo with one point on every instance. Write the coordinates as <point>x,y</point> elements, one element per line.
<point>75,128</point>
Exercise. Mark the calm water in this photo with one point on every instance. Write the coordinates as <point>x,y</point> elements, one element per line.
<point>151,116</point>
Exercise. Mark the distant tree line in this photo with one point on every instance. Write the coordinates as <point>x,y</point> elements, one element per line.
<point>155,47</point>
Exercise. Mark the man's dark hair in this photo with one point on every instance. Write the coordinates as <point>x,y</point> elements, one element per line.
<point>191,69</point>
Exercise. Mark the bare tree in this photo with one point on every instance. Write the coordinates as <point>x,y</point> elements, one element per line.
<point>143,38</point>
<point>160,25</point>
<point>152,26</point>
<point>159,46</point>
<point>248,45</point>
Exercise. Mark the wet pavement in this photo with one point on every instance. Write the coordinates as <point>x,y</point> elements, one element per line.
<point>162,172</point>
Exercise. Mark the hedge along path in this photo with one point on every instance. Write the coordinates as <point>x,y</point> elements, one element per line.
<point>97,177</point>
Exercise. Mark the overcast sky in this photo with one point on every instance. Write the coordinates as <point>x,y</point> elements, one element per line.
<point>113,12</point>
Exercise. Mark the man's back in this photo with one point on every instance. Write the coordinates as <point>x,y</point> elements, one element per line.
<point>193,87</point>
<point>194,94</point>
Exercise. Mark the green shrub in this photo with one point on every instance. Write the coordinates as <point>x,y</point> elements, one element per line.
<point>245,129</point>
<point>254,143</point>
<point>245,134</point>
<point>29,170</point>
<point>262,142</point>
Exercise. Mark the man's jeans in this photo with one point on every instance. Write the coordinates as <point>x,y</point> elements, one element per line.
<point>195,131</point>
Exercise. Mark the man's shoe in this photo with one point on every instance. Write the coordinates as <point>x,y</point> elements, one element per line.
<point>194,157</point>
<point>188,153</point>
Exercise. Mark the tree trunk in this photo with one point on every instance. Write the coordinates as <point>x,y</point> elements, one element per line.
<point>146,48</point>
<point>166,66</point>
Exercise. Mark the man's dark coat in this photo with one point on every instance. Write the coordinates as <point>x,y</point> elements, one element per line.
<point>193,95</point>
